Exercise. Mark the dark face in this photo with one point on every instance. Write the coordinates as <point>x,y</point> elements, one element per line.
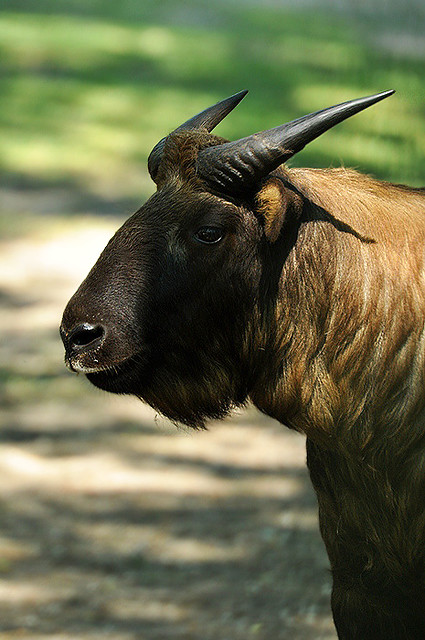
<point>164,312</point>
<point>168,311</point>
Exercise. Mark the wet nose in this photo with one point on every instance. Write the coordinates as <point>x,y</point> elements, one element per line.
<point>83,338</point>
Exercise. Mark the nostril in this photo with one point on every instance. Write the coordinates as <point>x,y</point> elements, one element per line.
<point>86,335</point>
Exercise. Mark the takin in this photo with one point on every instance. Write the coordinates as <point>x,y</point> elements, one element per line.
<point>302,291</point>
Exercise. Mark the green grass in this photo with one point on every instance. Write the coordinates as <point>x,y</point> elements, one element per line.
<point>88,87</point>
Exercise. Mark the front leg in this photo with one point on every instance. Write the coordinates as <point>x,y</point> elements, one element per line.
<point>378,587</point>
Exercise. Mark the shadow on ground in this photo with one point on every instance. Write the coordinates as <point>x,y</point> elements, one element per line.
<point>115,524</point>
<point>102,534</point>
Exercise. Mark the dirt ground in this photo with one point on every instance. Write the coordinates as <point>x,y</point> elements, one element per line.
<point>116,525</point>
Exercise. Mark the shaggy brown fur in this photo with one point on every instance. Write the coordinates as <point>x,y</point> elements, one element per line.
<point>312,304</point>
<point>348,370</point>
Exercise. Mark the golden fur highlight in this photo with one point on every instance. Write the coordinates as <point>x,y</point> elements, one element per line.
<point>350,315</point>
<point>346,367</point>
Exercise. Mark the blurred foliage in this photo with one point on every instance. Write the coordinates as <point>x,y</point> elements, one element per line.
<point>88,87</point>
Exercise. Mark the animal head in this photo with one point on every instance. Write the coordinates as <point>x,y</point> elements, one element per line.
<point>175,310</point>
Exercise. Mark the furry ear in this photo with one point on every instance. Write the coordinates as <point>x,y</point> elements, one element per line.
<point>274,202</point>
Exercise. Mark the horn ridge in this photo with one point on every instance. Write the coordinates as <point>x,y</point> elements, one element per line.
<point>255,156</point>
<point>207,119</point>
<point>307,128</point>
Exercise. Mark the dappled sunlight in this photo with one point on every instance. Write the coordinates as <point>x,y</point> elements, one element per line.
<point>112,517</point>
<point>64,40</point>
<point>86,472</point>
<point>161,545</point>
<point>326,54</point>
<point>89,98</point>
<point>233,442</point>
<point>63,261</point>
<point>15,551</point>
<point>26,593</point>
<point>115,523</point>
<point>156,610</point>
<point>297,519</point>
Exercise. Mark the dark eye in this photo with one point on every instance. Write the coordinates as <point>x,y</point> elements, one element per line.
<point>209,235</point>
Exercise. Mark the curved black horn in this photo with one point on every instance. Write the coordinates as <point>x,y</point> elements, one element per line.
<point>207,119</point>
<point>236,166</point>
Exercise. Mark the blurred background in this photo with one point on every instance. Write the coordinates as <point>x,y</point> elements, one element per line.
<point>113,523</point>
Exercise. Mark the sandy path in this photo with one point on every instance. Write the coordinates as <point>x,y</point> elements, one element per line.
<point>114,524</point>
